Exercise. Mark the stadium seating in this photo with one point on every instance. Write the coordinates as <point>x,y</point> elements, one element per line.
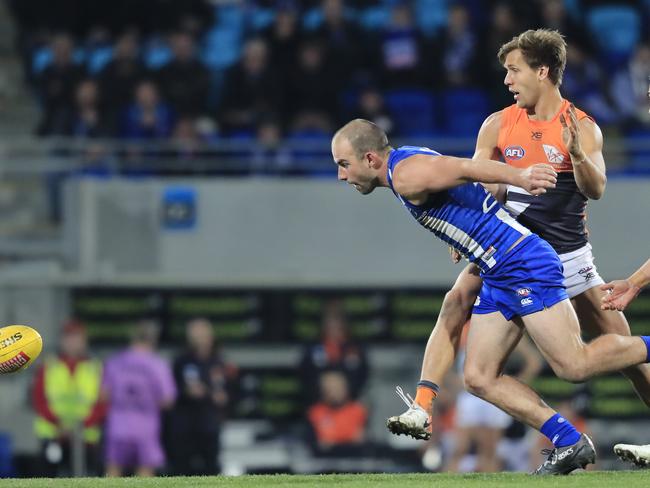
<point>616,29</point>
<point>464,111</point>
<point>638,155</point>
<point>431,15</point>
<point>6,468</point>
<point>413,112</point>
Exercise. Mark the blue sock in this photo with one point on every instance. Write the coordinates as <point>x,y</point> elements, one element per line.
<point>646,339</point>
<point>560,431</point>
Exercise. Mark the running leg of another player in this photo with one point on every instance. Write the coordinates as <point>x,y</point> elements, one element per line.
<point>439,355</point>
<point>597,322</point>
<point>587,306</point>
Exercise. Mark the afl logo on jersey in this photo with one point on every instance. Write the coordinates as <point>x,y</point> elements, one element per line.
<point>514,152</point>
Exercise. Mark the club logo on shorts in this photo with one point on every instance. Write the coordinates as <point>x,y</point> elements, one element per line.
<point>587,273</point>
<point>524,292</point>
<point>514,152</point>
<point>526,301</point>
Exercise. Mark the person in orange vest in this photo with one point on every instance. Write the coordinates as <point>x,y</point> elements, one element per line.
<point>66,397</point>
<point>337,421</point>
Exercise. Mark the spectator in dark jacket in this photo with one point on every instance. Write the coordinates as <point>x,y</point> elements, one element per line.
<point>252,89</point>
<point>184,81</point>
<point>56,86</point>
<point>202,379</point>
<point>120,76</point>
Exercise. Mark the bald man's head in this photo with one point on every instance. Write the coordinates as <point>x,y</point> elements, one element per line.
<point>363,136</point>
<point>360,149</point>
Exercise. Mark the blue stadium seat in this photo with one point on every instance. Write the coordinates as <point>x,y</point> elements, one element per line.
<point>313,18</point>
<point>221,48</point>
<point>222,43</point>
<point>261,18</point>
<point>156,53</point>
<point>616,30</point>
<point>413,112</point>
<point>42,57</point>
<point>431,15</point>
<point>464,110</point>
<point>638,158</point>
<point>97,58</point>
<point>374,18</point>
<point>574,9</point>
<point>349,100</point>
<point>6,467</point>
<point>308,161</point>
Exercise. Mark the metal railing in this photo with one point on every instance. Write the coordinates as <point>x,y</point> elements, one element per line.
<point>236,156</point>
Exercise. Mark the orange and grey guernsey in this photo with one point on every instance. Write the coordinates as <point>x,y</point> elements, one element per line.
<point>558,216</point>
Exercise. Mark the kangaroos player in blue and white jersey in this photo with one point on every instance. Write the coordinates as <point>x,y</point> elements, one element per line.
<point>522,274</point>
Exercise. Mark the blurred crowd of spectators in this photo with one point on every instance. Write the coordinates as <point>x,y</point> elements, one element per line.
<point>133,413</point>
<point>204,70</point>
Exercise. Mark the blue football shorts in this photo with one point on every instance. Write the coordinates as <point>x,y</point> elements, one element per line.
<point>529,279</point>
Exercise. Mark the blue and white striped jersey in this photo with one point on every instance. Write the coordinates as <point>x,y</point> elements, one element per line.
<point>466,217</point>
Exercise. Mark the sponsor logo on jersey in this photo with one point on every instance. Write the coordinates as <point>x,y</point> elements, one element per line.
<point>477,302</point>
<point>536,135</point>
<point>524,292</point>
<point>553,154</point>
<point>526,301</point>
<point>514,152</point>
<point>489,253</point>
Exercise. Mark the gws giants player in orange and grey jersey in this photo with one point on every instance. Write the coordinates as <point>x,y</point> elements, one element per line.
<point>541,127</point>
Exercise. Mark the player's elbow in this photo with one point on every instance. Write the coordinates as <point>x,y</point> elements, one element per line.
<point>601,188</point>
<point>597,190</point>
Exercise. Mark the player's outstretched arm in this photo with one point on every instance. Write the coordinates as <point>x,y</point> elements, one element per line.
<point>622,292</point>
<point>422,174</point>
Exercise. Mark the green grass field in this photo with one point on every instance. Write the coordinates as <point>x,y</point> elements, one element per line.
<point>628,479</point>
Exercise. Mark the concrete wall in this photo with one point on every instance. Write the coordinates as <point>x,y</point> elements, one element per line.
<point>313,232</point>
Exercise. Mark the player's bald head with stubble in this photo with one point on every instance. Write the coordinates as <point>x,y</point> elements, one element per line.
<point>363,136</point>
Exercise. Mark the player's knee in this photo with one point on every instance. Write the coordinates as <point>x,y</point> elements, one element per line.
<point>571,371</point>
<point>476,381</point>
<point>457,300</point>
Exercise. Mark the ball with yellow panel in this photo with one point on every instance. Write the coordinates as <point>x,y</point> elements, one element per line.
<point>20,345</point>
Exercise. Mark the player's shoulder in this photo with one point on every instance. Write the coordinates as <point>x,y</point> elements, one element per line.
<point>408,156</point>
<point>491,125</point>
<point>494,120</point>
<point>410,177</point>
<point>411,164</point>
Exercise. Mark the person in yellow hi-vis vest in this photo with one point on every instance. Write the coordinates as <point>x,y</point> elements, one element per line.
<point>66,398</point>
